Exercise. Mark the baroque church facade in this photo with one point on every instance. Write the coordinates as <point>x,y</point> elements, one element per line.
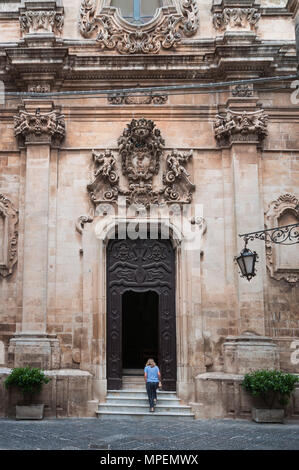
<point>126,178</point>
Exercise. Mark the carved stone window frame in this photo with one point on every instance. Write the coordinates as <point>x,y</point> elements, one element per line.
<point>99,21</point>
<point>284,203</point>
<point>10,217</point>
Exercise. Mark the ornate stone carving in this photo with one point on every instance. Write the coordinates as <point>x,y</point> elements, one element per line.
<point>245,126</point>
<point>242,91</point>
<point>81,221</point>
<point>119,98</point>
<point>285,203</point>
<point>114,33</point>
<point>41,21</point>
<point>140,149</point>
<point>177,173</point>
<point>9,236</point>
<point>236,18</point>
<point>33,126</point>
<point>39,87</point>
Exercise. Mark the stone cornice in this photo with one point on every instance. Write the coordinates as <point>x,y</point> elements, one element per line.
<point>205,59</point>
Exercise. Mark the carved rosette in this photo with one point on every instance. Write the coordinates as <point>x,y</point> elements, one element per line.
<point>235,18</point>
<point>9,236</point>
<point>48,127</point>
<point>285,202</point>
<point>238,127</point>
<point>113,33</point>
<point>140,149</point>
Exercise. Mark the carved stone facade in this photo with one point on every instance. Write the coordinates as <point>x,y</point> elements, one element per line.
<point>162,141</point>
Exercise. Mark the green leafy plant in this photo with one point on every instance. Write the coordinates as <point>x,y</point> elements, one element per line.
<point>28,380</point>
<point>271,385</point>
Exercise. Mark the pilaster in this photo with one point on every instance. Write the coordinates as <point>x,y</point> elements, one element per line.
<point>39,128</point>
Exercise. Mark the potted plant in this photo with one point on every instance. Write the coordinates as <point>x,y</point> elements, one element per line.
<point>29,381</point>
<point>275,388</point>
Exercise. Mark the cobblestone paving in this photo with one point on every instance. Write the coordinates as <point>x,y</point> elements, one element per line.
<point>146,434</point>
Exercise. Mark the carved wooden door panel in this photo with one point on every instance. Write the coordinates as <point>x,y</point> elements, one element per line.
<point>141,265</point>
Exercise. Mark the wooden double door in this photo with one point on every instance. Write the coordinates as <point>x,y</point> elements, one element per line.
<point>141,320</point>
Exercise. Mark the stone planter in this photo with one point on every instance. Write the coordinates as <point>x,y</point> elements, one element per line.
<point>264,415</point>
<point>29,411</point>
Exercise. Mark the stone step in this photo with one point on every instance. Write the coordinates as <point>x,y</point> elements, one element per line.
<point>139,415</point>
<point>135,393</point>
<point>134,403</point>
<point>133,378</point>
<point>136,408</point>
<point>141,401</point>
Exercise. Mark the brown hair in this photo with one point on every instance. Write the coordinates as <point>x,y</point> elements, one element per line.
<point>151,362</point>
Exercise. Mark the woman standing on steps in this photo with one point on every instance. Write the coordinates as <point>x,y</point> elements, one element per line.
<point>152,379</point>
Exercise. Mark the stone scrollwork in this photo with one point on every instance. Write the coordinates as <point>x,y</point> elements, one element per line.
<point>140,150</point>
<point>245,126</point>
<point>8,236</point>
<point>177,173</point>
<point>285,204</point>
<point>152,98</point>
<point>164,32</point>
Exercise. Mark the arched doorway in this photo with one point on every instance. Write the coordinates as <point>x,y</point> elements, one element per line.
<point>140,279</point>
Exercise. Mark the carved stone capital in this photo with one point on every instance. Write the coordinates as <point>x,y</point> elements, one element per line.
<point>236,18</point>
<point>233,15</point>
<point>163,32</point>
<point>38,18</point>
<point>40,127</point>
<point>8,236</point>
<point>240,127</point>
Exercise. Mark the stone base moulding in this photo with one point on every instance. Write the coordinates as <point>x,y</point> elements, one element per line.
<point>68,394</point>
<point>247,352</point>
<point>36,350</point>
<point>30,411</point>
<point>220,395</point>
<point>262,415</point>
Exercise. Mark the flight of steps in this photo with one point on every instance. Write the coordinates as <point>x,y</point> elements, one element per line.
<point>132,401</point>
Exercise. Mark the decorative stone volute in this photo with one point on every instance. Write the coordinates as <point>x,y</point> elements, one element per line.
<point>39,126</point>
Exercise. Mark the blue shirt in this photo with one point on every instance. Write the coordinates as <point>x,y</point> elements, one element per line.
<point>152,373</point>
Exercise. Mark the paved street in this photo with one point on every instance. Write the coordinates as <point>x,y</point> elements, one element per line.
<point>160,434</point>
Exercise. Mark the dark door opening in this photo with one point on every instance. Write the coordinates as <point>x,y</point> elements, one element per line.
<point>140,328</point>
